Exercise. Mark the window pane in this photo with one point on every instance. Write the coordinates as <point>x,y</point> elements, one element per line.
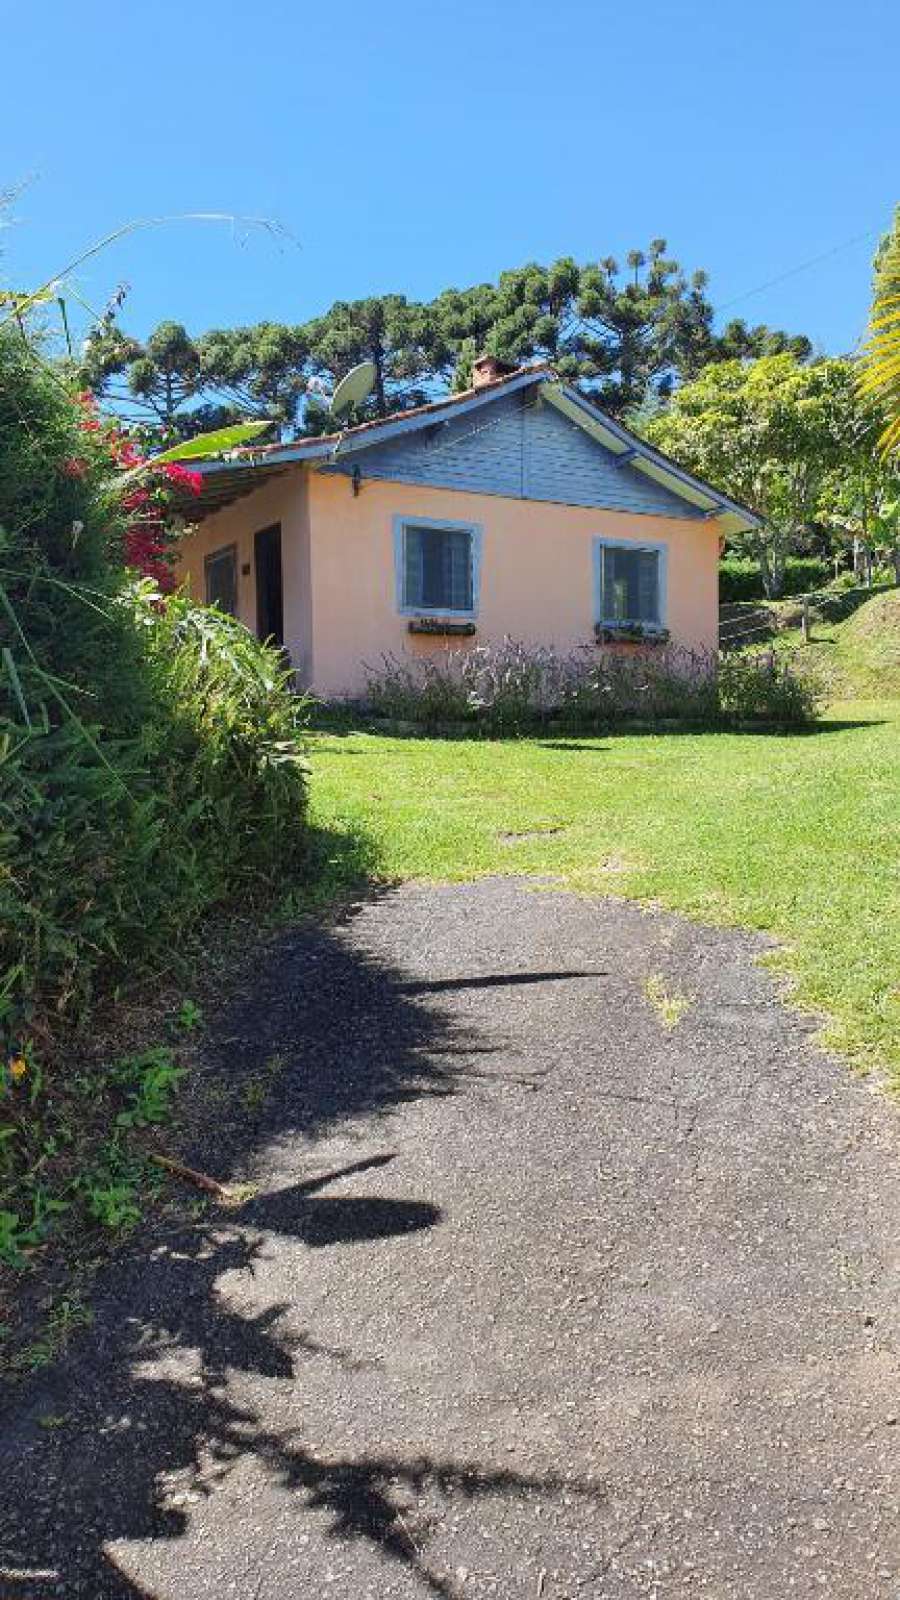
<point>629,585</point>
<point>648,587</point>
<point>438,569</point>
<point>221,580</point>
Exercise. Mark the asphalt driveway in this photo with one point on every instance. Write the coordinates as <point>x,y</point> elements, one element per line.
<point>545,1288</point>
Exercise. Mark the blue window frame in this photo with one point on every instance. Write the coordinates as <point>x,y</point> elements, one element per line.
<point>629,583</point>
<point>437,567</point>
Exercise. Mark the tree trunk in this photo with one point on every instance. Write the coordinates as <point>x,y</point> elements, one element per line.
<point>771,564</point>
<point>380,398</point>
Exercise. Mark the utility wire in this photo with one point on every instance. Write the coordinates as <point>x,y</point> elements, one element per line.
<point>792,272</point>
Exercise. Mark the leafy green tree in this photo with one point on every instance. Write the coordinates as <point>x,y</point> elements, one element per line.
<point>157,379</point>
<point>261,370</point>
<point>775,434</point>
<point>398,336</point>
<point>639,331</point>
<point>738,342</point>
<point>625,333</point>
<point>881,356</point>
<point>185,385</point>
<point>628,334</point>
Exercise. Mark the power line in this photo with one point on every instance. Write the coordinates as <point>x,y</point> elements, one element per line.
<point>792,272</point>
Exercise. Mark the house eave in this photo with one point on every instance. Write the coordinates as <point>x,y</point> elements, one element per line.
<point>229,478</point>
<point>634,452</point>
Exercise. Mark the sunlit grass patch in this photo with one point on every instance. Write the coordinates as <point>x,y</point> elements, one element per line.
<point>796,835</point>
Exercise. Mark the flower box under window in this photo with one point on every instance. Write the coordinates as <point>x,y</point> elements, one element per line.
<point>446,627</point>
<point>630,633</point>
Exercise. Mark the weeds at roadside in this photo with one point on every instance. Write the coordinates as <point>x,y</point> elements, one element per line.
<point>189,1016</point>
<point>256,1091</point>
<point>57,1175</point>
<point>66,1317</point>
<point>670,1005</point>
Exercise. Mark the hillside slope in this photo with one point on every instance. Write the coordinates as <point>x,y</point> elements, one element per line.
<point>859,657</point>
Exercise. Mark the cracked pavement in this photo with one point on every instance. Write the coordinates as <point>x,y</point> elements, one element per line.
<point>535,1296</point>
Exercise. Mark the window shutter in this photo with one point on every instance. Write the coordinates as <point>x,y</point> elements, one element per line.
<point>608,584</point>
<point>221,580</point>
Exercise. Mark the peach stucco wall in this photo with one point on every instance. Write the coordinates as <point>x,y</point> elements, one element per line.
<point>281,500</point>
<point>537,580</point>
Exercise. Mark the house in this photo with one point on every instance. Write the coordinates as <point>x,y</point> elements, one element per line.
<point>517,508</point>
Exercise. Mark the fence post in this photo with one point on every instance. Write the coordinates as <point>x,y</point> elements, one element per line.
<point>804,625</point>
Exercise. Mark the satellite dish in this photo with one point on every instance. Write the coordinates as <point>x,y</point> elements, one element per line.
<point>354,388</point>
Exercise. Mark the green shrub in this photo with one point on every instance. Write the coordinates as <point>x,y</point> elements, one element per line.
<point>740,577</point>
<point>512,687</point>
<point>657,685</point>
<point>151,767</point>
<point>756,687</point>
<point>502,688</point>
<point>430,691</point>
<point>112,847</point>
<point>517,688</point>
<point>149,750</point>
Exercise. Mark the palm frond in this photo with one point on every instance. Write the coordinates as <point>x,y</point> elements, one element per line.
<point>880,356</point>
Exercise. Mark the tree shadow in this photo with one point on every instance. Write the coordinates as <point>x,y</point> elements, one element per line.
<point>572,744</point>
<point>92,1447</point>
<point>554,735</point>
<point>322,1032</point>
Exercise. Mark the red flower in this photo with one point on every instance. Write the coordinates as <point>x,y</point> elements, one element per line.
<point>182,477</point>
<point>74,467</point>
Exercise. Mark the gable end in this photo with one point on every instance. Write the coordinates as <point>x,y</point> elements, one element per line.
<point>523,448</point>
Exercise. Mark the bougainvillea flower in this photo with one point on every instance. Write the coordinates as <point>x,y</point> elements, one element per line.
<point>185,479</point>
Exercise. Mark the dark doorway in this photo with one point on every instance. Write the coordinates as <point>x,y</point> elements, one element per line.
<point>269,593</point>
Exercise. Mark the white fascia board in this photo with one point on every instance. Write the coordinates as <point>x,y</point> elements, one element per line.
<point>675,483</point>
<point>570,408</point>
<point>732,522</point>
<point>644,458</point>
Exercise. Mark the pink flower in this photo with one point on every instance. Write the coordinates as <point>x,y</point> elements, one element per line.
<point>192,481</point>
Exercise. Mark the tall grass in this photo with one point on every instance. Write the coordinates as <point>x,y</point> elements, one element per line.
<point>512,687</point>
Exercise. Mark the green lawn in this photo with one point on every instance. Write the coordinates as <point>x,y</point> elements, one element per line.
<point>797,834</point>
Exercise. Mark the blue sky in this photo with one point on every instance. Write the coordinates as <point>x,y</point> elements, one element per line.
<point>410,146</point>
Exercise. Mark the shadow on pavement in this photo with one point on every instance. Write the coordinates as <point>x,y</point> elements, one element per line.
<point>89,1448</point>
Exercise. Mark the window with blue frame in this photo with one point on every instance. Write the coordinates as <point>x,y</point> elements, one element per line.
<point>437,571</point>
<point>631,586</point>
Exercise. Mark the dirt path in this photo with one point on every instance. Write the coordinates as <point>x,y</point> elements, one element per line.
<point>538,1297</point>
